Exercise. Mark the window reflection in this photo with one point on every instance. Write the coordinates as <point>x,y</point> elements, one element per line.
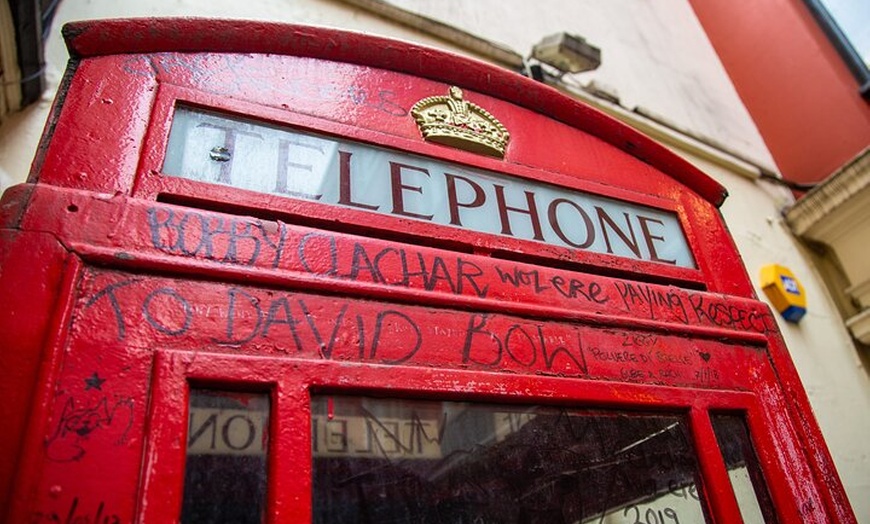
<point>225,469</point>
<point>386,460</point>
<point>743,469</point>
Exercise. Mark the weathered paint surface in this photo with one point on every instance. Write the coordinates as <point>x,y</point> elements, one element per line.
<point>149,282</point>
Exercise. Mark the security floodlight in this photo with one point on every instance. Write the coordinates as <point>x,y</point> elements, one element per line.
<point>567,53</point>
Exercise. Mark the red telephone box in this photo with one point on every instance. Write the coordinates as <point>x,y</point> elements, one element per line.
<point>268,273</point>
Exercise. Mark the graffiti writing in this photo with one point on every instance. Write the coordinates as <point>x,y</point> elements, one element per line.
<point>326,255</point>
<point>569,288</point>
<point>651,516</point>
<point>656,301</point>
<point>520,344</point>
<point>79,420</point>
<point>77,513</point>
<point>723,314</point>
<point>332,328</point>
<point>141,311</point>
<point>274,245</point>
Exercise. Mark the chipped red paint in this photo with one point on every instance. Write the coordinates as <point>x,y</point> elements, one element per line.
<point>123,284</point>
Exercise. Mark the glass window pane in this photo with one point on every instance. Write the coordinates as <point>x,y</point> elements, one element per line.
<point>389,460</point>
<point>225,469</point>
<point>853,17</point>
<point>743,469</point>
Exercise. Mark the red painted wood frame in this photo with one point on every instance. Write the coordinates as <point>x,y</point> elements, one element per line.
<point>118,304</point>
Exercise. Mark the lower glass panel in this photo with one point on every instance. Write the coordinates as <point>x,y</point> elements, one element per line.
<point>744,471</point>
<point>225,469</point>
<point>390,460</point>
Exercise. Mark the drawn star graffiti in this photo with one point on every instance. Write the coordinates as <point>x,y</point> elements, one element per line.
<point>94,382</point>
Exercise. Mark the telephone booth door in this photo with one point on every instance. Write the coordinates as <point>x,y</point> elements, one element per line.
<point>271,273</point>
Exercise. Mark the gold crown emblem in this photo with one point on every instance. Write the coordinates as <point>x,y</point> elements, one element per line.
<point>455,122</point>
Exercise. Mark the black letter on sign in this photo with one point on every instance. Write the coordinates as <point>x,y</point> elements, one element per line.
<point>453,202</point>
<point>532,211</point>
<point>630,243</point>
<point>553,217</point>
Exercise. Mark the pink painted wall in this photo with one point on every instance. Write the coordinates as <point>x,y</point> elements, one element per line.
<point>798,90</point>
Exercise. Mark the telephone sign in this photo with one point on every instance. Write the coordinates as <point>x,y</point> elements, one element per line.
<point>291,274</point>
<point>268,159</point>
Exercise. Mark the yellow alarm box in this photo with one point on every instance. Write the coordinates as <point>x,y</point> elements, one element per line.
<point>785,292</point>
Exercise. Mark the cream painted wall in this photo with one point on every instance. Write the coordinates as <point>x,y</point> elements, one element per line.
<point>654,52</point>
<point>657,57</point>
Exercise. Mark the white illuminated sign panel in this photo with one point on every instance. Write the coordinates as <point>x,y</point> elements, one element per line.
<point>282,161</point>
